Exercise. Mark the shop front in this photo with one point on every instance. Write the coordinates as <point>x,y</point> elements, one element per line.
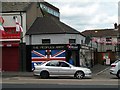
<point>10,49</point>
<point>37,54</point>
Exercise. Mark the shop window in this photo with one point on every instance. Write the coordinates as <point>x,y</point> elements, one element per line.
<point>46,41</point>
<point>72,41</point>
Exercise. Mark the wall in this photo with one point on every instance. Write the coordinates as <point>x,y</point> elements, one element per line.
<point>8,19</point>
<point>55,38</point>
<point>32,13</point>
<point>10,22</point>
<point>111,56</point>
<point>104,47</point>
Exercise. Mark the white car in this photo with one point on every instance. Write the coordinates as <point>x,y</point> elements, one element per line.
<point>61,68</point>
<point>115,68</point>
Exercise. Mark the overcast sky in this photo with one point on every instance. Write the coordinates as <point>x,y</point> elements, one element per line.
<point>87,14</point>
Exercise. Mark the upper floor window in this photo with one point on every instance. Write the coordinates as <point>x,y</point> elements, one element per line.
<point>46,41</point>
<point>49,10</point>
<point>109,41</point>
<point>72,41</point>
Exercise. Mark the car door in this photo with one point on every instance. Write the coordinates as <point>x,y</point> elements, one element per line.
<point>52,67</point>
<point>65,69</point>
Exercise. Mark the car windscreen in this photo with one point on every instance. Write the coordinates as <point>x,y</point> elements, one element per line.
<point>117,61</point>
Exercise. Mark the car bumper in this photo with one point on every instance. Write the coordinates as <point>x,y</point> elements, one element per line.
<point>36,73</point>
<point>112,72</point>
<point>88,75</point>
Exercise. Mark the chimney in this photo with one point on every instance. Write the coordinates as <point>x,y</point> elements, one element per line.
<point>115,26</point>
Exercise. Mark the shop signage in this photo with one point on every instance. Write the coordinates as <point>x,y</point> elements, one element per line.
<point>48,47</point>
<point>73,46</point>
<point>11,38</point>
<point>10,33</point>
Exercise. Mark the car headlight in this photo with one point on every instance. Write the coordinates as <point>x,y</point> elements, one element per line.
<point>88,71</point>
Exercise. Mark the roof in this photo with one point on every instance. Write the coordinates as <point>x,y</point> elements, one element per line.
<point>21,6</point>
<point>15,6</point>
<point>49,25</point>
<point>100,32</point>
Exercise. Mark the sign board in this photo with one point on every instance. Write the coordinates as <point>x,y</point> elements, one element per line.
<point>108,61</point>
<point>10,33</point>
<point>105,55</point>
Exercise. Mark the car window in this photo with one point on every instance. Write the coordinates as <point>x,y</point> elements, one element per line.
<point>63,64</point>
<point>52,64</point>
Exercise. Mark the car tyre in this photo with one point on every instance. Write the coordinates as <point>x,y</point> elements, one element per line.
<point>79,74</point>
<point>44,74</point>
<point>118,74</point>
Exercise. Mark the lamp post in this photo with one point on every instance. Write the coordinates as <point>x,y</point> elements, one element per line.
<point>91,53</point>
<point>91,61</point>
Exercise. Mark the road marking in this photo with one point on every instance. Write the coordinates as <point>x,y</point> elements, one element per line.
<point>102,71</point>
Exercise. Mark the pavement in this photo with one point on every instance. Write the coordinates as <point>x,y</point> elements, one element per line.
<point>96,69</point>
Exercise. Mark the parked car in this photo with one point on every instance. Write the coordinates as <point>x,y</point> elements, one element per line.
<point>115,68</point>
<point>61,68</point>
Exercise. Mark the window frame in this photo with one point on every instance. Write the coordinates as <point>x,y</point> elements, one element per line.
<point>46,41</point>
<point>72,41</point>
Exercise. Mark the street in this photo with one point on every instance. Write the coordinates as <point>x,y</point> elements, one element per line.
<point>101,79</point>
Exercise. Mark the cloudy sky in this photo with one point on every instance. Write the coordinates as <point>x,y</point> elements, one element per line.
<point>88,14</point>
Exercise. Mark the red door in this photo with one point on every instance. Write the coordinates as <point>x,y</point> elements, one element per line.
<point>10,59</point>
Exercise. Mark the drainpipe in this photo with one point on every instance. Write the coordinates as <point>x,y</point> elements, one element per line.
<point>21,34</point>
<point>22,49</point>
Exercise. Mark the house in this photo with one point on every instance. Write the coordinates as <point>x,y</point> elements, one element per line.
<point>106,40</point>
<point>50,39</point>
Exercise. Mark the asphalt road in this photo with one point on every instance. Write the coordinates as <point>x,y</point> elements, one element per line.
<point>101,79</point>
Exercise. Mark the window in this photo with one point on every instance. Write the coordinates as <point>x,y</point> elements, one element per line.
<point>49,10</point>
<point>45,41</point>
<point>72,41</point>
<point>52,64</point>
<point>63,64</point>
<point>109,41</point>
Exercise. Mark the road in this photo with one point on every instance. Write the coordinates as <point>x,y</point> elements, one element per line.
<point>101,79</point>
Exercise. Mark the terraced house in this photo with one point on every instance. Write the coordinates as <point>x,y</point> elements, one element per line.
<point>107,43</point>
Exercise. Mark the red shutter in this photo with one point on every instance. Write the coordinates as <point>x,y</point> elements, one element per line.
<point>10,58</point>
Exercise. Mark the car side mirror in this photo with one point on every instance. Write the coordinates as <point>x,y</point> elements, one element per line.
<point>70,66</point>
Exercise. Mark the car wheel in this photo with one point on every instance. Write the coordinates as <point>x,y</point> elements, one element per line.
<point>118,74</point>
<point>44,74</point>
<point>79,74</point>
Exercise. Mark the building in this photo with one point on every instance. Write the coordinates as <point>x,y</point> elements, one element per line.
<point>26,13</point>
<point>43,32</point>
<point>50,39</point>
<point>106,40</point>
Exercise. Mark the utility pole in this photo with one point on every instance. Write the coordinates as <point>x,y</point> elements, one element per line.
<point>118,39</point>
